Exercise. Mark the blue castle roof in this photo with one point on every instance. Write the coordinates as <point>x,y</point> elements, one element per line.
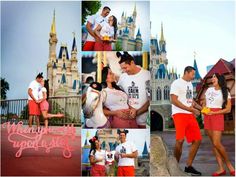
<point>61,50</point>
<point>74,47</point>
<point>74,85</point>
<point>145,150</point>
<point>155,44</point>
<point>63,79</point>
<point>197,74</point>
<point>161,72</point>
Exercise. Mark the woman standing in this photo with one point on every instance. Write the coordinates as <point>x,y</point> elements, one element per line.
<point>44,106</point>
<point>116,103</point>
<point>97,158</point>
<point>218,99</point>
<point>106,33</point>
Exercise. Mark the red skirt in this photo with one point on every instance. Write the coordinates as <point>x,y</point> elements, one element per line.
<point>44,106</point>
<point>98,170</point>
<point>214,122</point>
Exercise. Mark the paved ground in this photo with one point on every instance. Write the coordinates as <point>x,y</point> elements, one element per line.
<point>205,160</point>
<point>39,163</point>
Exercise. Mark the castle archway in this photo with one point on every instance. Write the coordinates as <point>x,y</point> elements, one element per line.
<point>156,121</point>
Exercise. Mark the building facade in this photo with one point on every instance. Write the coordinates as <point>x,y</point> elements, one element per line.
<point>126,33</point>
<point>62,69</point>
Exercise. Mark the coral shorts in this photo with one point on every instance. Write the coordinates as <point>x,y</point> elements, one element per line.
<point>125,171</point>
<point>44,106</point>
<point>214,122</point>
<point>98,170</point>
<point>187,126</point>
<point>89,46</point>
<point>102,46</point>
<point>33,108</point>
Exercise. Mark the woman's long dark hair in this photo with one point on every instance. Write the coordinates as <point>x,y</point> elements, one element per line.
<point>223,85</point>
<point>46,85</point>
<point>114,24</point>
<point>93,146</point>
<point>105,71</point>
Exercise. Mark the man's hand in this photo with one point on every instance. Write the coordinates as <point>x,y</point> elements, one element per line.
<point>133,113</point>
<point>123,155</point>
<point>195,111</point>
<point>124,113</point>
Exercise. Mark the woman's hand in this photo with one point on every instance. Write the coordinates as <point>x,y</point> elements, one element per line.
<point>211,113</point>
<point>123,113</point>
<point>133,113</point>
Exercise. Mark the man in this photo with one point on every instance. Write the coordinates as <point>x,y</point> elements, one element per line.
<point>92,23</point>
<point>135,81</point>
<point>33,91</point>
<point>185,122</point>
<point>126,152</point>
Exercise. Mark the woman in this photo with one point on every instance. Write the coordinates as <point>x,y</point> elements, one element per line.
<point>217,98</point>
<point>97,158</point>
<point>116,104</point>
<point>106,33</point>
<point>44,106</point>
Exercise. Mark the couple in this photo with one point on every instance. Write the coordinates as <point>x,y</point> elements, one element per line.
<point>217,99</point>
<point>101,32</point>
<point>127,101</point>
<point>37,102</point>
<point>125,154</point>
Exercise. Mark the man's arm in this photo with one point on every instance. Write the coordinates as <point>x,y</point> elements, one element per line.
<point>89,27</point>
<point>31,94</point>
<point>176,102</point>
<point>136,112</point>
<point>132,155</point>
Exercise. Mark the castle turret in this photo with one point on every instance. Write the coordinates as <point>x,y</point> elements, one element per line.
<point>139,41</point>
<point>74,68</point>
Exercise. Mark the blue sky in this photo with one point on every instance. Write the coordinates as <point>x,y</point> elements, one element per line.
<point>207,27</point>
<point>25,28</point>
<point>143,134</point>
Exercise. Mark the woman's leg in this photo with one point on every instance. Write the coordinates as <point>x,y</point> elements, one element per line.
<point>46,123</point>
<point>217,154</point>
<point>46,115</point>
<point>216,140</point>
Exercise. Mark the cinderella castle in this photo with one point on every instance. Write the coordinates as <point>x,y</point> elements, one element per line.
<point>161,81</point>
<point>62,71</point>
<point>126,33</point>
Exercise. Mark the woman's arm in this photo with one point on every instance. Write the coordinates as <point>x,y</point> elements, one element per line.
<point>226,110</point>
<point>118,113</point>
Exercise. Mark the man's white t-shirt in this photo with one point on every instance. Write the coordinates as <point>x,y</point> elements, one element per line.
<point>107,30</point>
<point>42,89</point>
<point>137,87</point>
<point>116,99</point>
<point>99,155</point>
<point>95,20</point>
<point>36,87</point>
<point>126,148</point>
<point>184,90</point>
<point>214,98</point>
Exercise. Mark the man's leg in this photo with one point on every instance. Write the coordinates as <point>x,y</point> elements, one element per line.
<point>30,120</point>
<point>193,151</point>
<point>178,149</point>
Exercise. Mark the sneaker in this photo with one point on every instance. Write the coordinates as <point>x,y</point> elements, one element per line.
<point>192,171</point>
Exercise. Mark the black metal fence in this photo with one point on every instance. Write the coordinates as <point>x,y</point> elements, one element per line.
<point>17,110</point>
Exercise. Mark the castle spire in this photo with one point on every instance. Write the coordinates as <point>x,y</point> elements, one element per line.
<point>135,12</point>
<point>145,150</point>
<point>74,47</point>
<point>197,74</point>
<point>162,33</point>
<point>53,26</point>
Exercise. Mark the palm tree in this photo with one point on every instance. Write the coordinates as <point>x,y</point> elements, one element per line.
<point>4,88</point>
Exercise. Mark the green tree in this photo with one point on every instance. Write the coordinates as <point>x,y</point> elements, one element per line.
<point>89,8</point>
<point>4,88</point>
<point>118,46</point>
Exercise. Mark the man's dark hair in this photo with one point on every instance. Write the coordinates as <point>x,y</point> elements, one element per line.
<point>39,76</point>
<point>126,57</point>
<point>188,69</point>
<point>106,8</point>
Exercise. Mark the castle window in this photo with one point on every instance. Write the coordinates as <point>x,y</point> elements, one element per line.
<point>166,93</point>
<point>151,94</point>
<point>158,93</point>
<point>58,81</point>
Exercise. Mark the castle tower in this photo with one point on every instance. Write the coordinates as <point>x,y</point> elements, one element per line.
<point>197,78</point>
<point>139,41</point>
<point>74,68</point>
<point>52,53</point>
